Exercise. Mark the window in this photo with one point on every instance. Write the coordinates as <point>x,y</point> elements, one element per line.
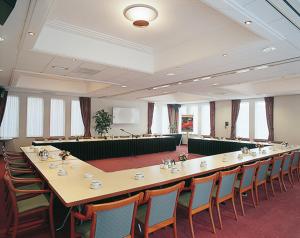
<point>205,119</point>
<point>10,122</point>
<point>160,122</point>
<point>77,127</point>
<point>57,117</point>
<point>261,126</point>
<point>242,124</point>
<point>35,116</point>
<point>165,129</point>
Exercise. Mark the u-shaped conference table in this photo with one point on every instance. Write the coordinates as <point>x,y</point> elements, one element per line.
<point>74,189</point>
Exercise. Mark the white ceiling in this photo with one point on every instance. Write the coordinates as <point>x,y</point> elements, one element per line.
<point>89,48</point>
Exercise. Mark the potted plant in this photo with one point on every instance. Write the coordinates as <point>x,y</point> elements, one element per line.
<point>103,121</point>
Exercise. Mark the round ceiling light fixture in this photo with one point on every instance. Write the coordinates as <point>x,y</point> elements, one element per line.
<point>140,14</point>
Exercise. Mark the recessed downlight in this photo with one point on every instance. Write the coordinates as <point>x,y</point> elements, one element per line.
<point>224,55</point>
<point>242,71</point>
<point>124,86</point>
<point>205,78</point>
<point>248,22</point>
<point>195,80</point>
<point>268,49</point>
<point>1,70</point>
<point>179,83</point>
<point>31,33</point>
<point>59,67</point>
<point>1,38</point>
<point>215,84</point>
<point>170,74</point>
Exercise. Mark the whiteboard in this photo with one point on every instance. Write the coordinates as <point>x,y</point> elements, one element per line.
<point>126,115</point>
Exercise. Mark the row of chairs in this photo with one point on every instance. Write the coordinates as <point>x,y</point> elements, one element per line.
<point>156,209</point>
<point>28,203</point>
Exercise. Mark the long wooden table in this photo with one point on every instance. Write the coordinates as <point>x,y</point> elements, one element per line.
<point>91,149</point>
<point>212,146</point>
<point>73,189</point>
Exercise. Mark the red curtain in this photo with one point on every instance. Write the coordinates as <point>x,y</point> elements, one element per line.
<point>3,100</point>
<point>85,106</point>
<point>150,115</point>
<point>212,119</point>
<point>235,108</point>
<point>173,113</point>
<point>270,116</point>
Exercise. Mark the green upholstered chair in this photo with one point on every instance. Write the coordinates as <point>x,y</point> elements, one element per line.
<point>286,169</point>
<point>108,220</point>
<point>245,184</point>
<point>199,198</point>
<point>295,165</point>
<point>159,210</point>
<point>27,207</point>
<point>261,177</point>
<point>225,190</point>
<point>274,173</point>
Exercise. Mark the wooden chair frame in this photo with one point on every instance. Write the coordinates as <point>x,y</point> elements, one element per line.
<point>261,183</point>
<point>15,217</point>
<point>91,214</point>
<point>295,168</point>
<point>276,176</point>
<point>250,188</point>
<point>148,199</point>
<point>230,196</point>
<point>208,206</point>
<point>288,172</point>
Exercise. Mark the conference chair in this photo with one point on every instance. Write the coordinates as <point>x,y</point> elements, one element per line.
<point>225,190</point>
<point>261,177</point>
<point>159,210</point>
<point>199,198</point>
<point>27,213</point>
<point>286,169</point>
<point>109,220</point>
<point>274,173</point>
<point>295,166</point>
<point>245,184</point>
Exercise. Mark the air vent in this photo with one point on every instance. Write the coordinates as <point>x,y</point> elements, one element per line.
<point>86,71</point>
<point>290,9</point>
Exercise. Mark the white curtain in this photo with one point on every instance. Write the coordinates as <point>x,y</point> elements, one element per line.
<point>261,126</point>
<point>35,117</point>
<point>242,123</point>
<point>160,122</point>
<point>205,119</point>
<point>77,127</point>
<point>57,117</point>
<point>10,123</point>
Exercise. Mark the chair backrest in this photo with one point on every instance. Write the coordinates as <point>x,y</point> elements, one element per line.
<point>202,189</point>
<point>226,183</point>
<point>248,175</point>
<point>114,219</point>
<point>286,163</point>
<point>162,204</point>
<point>295,160</point>
<point>12,195</point>
<point>262,170</point>
<point>276,165</point>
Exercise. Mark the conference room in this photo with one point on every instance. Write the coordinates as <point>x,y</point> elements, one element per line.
<point>146,118</point>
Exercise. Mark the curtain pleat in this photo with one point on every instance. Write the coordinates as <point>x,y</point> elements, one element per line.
<point>270,116</point>
<point>150,116</point>
<point>212,119</point>
<point>85,107</point>
<point>3,100</point>
<point>235,108</point>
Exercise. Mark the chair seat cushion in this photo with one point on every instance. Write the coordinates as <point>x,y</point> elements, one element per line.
<point>184,199</point>
<point>141,213</point>
<point>84,229</point>
<point>33,203</point>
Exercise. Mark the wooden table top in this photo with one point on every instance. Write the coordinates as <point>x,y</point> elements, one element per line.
<point>74,189</point>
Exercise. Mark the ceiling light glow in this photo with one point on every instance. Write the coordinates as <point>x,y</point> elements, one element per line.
<point>140,14</point>
<point>31,33</point>
<point>248,22</point>
<point>261,67</point>
<point>269,49</point>
<point>1,38</point>
<point>242,71</point>
<point>205,78</point>
<point>164,86</point>
<point>124,86</point>
<point>170,74</point>
<point>195,80</point>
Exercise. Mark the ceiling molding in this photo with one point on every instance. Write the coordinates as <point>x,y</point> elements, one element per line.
<point>63,26</point>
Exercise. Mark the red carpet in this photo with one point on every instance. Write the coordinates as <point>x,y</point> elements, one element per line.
<point>122,163</point>
<point>277,218</point>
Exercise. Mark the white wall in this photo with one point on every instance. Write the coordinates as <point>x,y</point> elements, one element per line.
<point>96,105</point>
